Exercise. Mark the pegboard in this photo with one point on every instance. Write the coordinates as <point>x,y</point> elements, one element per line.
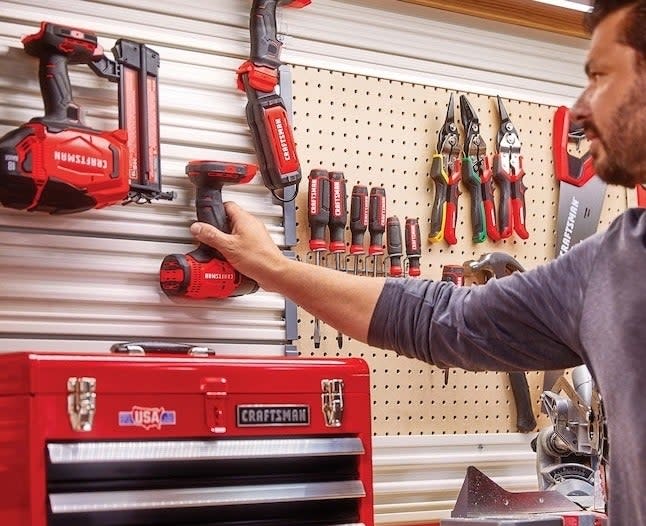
<point>383,133</point>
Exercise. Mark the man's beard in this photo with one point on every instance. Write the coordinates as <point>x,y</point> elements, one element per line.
<point>624,143</point>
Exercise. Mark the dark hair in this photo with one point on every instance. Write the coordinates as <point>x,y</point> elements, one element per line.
<point>634,27</point>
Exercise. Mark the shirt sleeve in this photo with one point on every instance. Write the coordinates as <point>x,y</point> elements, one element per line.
<point>525,321</point>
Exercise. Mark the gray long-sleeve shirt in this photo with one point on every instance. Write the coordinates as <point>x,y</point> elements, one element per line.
<point>588,306</point>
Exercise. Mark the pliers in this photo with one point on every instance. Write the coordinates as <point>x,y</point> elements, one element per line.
<point>477,176</point>
<point>508,173</point>
<point>445,172</point>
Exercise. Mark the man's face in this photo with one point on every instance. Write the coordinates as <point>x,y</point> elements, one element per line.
<point>612,109</point>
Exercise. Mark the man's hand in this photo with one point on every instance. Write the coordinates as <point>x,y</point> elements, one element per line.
<point>248,248</point>
<point>340,299</point>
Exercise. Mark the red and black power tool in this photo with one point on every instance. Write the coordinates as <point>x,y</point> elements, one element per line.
<point>204,272</point>
<point>266,114</point>
<point>57,164</point>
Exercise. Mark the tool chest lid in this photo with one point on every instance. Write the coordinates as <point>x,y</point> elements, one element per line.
<point>48,372</point>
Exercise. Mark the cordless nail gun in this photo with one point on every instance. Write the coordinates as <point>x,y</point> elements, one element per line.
<point>56,163</point>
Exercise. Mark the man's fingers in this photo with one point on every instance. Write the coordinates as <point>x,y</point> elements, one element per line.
<point>205,233</point>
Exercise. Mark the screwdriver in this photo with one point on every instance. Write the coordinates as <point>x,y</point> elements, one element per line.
<point>358,221</point>
<point>413,248</point>
<point>318,213</point>
<point>394,246</point>
<point>376,224</point>
<point>337,221</point>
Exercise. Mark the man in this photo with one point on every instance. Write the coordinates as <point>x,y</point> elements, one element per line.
<point>588,306</point>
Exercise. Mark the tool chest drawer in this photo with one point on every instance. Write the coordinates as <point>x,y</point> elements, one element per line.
<point>157,440</point>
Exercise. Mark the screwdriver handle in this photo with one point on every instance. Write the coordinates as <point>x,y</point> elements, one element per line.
<point>394,245</point>
<point>318,210</point>
<point>338,212</point>
<point>358,218</point>
<point>377,220</point>
<point>413,247</point>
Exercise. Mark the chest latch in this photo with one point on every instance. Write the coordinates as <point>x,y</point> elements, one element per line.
<point>81,402</point>
<point>332,401</point>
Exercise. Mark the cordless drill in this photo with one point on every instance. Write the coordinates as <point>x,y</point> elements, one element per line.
<point>57,164</point>
<point>204,272</point>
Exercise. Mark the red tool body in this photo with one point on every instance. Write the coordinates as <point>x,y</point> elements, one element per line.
<point>641,195</point>
<point>150,436</point>
<point>57,164</point>
<point>266,113</point>
<point>204,272</point>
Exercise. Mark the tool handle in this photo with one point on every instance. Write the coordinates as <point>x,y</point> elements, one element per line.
<point>454,274</point>
<point>358,218</point>
<point>265,46</point>
<point>273,139</point>
<point>394,245</point>
<point>518,202</point>
<point>338,212</point>
<point>525,419</point>
<point>503,181</point>
<point>641,195</point>
<point>452,197</point>
<point>377,220</point>
<point>568,168</point>
<point>318,208</point>
<point>142,348</point>
<point>438,210</point>
<point>471,179</point>
<point>57,46</point>
<point>486,188</point>
<point>413,247</point>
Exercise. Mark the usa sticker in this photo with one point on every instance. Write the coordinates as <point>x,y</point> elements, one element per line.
<point>147,417</point>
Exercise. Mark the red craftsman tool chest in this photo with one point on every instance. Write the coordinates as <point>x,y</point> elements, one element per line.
<point>132,440</point>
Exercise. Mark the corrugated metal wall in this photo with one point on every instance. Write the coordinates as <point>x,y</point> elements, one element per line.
<point>92,277</point>
<point>85,281</point>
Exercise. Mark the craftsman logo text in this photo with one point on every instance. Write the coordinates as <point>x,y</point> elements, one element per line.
<point>272,415</point>
<point>569,226</point>
<point>282,139</point>
<point>81,160</point>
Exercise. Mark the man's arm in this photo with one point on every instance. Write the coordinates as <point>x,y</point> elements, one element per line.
<point>344,301</point>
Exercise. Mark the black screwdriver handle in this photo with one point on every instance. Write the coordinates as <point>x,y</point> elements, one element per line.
<point>318,207</point>
<point>358,218</point>
<point>377,220</point>
<point>338,211</point>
